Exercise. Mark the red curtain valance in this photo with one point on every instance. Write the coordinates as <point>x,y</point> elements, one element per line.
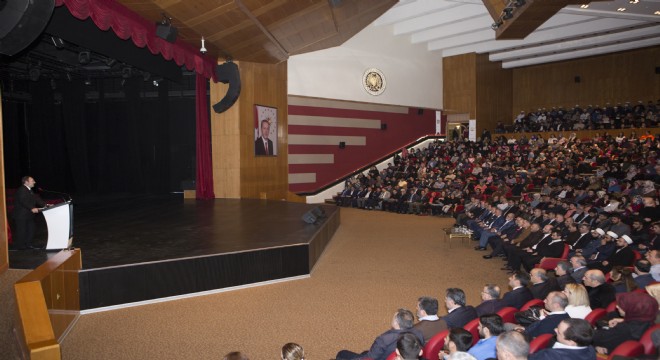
<point>126,24</point>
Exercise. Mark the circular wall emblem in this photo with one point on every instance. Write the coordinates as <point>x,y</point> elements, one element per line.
<point>373,81</point>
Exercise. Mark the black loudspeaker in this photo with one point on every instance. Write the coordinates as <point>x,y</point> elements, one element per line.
<point>342,144</point>
<point>318,212</point>
<point>657,70</point>
<point>166,32</point>
<point>309,218</point>
<point>577,79</point>
<point>21,22</point>
<point>420,111</point>
<point>383,126</point>
<point>227,73</point>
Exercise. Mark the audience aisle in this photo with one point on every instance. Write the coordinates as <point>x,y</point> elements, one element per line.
<point>377,262</point>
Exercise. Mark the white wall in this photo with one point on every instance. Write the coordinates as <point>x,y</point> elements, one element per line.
<point>413,74</point>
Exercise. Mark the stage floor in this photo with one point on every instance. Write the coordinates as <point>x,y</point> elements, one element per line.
<point>130,230</point>
<point>137,249</point>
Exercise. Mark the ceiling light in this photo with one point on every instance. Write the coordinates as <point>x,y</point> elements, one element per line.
<point>633,1</point>
<point>657,12</point>
<point>155,82</point>
<point>584,6</point>
<point>621,9</point>
<point>507,13</point>
<point>88,81</point>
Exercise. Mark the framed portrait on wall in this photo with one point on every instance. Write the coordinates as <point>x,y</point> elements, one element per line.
<point>265,130</point>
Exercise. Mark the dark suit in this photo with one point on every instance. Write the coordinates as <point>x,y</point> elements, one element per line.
<point>460,316</point>
<point>601,296</point>
<point>541,290</point>
<point>260,149</point>
<point>579,274</point>
<point>24,202</point>
<point>383,346</point>
<point>517,298</point>
<point>490,307</point>
<point>620,257</point>
<point>429,328</point>
<point>586,353</point>
<point>545,326</point>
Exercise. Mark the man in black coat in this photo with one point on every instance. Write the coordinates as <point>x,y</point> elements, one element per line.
<point>459,314</point>
<point>491,302</point>
<point>601,293</point>
<point>519,294</point>
<point>555,303</point>
<point>26,205</point>
<point>385,344</point>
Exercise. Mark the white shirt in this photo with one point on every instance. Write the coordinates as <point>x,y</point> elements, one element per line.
<point>577,312</point>
<point>429,318</point>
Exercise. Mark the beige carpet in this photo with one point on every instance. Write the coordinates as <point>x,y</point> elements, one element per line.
<point>8,346</point>
<point>376,263</point>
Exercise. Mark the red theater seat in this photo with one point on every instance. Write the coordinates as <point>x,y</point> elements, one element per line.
<point>646,341</point>
<point>540,342</point>
<point>434,345</point>
<point>595,315</point>
<point>630,348</point>
<point>533,302</point>
<point>473,328</point>
<point>507,314</point>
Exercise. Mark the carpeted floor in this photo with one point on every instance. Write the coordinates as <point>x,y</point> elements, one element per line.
<point>376,263</point>
<point>8,346</point>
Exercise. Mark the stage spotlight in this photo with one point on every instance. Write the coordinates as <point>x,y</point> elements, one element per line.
<point>88,81</point>
<point>495,26</point>
<point>507,13</point>
<point>519,3</point>
<point>57,42</point>
<point>165,30</point>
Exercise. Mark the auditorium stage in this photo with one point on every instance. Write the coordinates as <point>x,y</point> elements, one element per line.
<point>148,247</point>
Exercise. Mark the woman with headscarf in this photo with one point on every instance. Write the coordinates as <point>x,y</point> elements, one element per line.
<point>638,310</point>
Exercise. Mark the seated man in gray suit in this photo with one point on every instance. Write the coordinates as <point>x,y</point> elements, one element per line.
<point>429,323</point>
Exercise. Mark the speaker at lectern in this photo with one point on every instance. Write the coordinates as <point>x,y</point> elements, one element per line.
<point>59,221</point>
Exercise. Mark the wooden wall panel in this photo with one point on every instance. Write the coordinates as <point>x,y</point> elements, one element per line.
<point>237,172</point>
<point>4,245</point>
<point>620,77</point>
<point>459,80</point>
<point>225,146</point>
<point>494,93</point>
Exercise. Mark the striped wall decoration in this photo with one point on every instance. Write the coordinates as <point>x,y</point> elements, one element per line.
<point>369,132</point>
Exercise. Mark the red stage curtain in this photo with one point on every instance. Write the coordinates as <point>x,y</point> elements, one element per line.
<point>204,176</point>
<point>126,24</point>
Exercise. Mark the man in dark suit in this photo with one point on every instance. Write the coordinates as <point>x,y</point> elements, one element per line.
<point>263,145</point>
<point>458,314</point>
<point>574,337</point>
<point>429,323</point>
<point>555,303</point>
<point>519,294</point>
<point>542,285</point>
<point>26,205</point>
<point>579,265</point>
<point>385,344</point>
<point>601,293</point>
<point>491,302</point>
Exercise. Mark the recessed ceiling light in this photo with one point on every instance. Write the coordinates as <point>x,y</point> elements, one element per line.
<point>621,9</point>
<point>633,1</point>
<point>584,6</point>
<point>657,12</point>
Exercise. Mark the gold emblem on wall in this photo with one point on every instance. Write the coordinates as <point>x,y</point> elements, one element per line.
<point>373,81</point>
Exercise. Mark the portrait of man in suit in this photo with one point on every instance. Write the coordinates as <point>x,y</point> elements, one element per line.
<point>263,145</point>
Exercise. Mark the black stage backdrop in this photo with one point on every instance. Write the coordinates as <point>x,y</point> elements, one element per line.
<point>102,138</point>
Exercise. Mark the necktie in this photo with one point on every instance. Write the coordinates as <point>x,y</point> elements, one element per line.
<point>266,146</point>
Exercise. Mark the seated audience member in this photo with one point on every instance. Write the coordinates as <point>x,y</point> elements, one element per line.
<point>490,326</point>
<point>490,300</point>
<point>384,345</point>
<point>408,347</point>
<point>512,345</point>
<point>639,311</point>
<point>458,340</point>
<point>562,274</point>
<point>555,305</point>
<point>458,314</point>
<point>623,255</point>
<point>578,301</point>
<point>573,342</point>
<point>519,294</point>
<point>236,355</point>
<point>582,238</point>
<point>292,351</point>
<point>579,265</point>
<point>622,280</point>
<point>601,293</point>
<point>653,257</point>
<point>541,284</point>
<point>642,275</point>
<point>429,323</point>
